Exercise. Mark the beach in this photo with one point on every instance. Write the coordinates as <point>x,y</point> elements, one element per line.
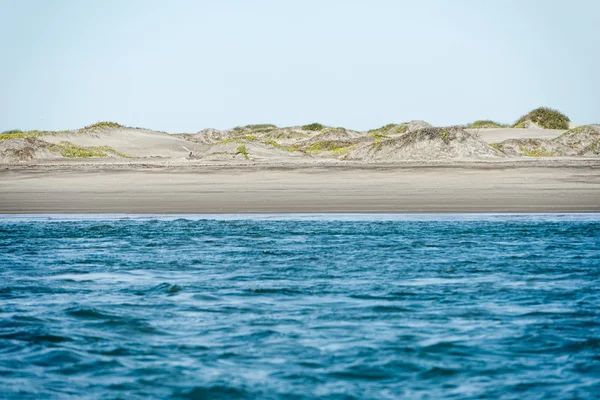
<point>548,186</point>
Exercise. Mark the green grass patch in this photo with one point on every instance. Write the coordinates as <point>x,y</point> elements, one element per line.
<point>242,150</point>
<point>496,146</point>
<point>545,117</point>
<point>485,123</point>
<point>445,135</point>
<point>103,125</point>
<point>384,128</point>
<point>70,150</point>
<point>16,134</point>
<point>343,150</point>
<point>313,127</point>
<point>378,135</point>
<point>228,140</point>
<point>260,126</point>
<point>279,146</point>
<point>327,145</point>
<point>402,128</point>
<point>536,152</point>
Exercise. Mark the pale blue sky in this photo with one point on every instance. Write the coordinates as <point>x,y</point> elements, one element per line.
<point>181,66</point>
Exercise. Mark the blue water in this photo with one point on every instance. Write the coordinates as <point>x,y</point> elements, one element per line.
<point>333,307</point>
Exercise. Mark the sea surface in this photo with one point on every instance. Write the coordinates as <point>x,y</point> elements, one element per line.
<point>300,306</point>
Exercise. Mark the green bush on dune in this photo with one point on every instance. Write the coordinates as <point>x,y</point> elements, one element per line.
<point>485,123</point>
<point>104,125</point>
<point>312,127</point>
<point>544,117</point>
<point>243,151</point>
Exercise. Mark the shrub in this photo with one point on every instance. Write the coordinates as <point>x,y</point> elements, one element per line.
<point>242,150</point>
<point>485,123</point>
<point>104,125</point>
<point>11,132</point>
<point>545,117</point>
<point>313,127</point>
<point>260,126</point>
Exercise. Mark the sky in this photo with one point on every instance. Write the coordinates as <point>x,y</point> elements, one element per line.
<point>186,65</point>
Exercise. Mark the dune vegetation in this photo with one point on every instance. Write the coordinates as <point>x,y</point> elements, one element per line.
<point>485,123</point>
<point>312,127</point>
<point>543,117</point>
<point>70,150</point>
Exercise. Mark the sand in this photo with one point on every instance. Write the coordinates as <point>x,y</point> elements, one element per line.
<point>565,185</point>
<point>496,135</point>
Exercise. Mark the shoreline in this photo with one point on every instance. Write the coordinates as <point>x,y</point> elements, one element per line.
<point>531,186</point>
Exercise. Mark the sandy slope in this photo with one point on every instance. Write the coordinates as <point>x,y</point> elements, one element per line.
<point>132,142</point>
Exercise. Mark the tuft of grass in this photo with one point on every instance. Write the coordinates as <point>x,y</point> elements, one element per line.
<point>485,123</point>
<point>384,128</point>
<point>377,135</point>
<point>313,127</point>
<point>578,130</point>
<point>327,145</point>
<point>228,140</point>
<point>497,146</point>
<point>250,137</point>
<point>343,150</point>
<point>445,135</point>
<point>103,125</point>
<point>16,134</point>
<point>260,126</point>
<point>242,150</point>
<point>279,146</point>
<point>11,132</point>
<point>402,128</point>
<point>70,150</point>
<point>536,152</point>
<point>545,117</point>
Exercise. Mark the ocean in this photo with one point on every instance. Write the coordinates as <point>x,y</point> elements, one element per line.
<point>300,307</point>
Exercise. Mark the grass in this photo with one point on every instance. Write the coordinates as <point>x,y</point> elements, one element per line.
<point>445,135</point>
<point>312,127</point>
<point>536,152</point>
<point>242,150</point>
<point>328,145</point>
<point>70,150</point>
<point>496,146</point>
<point>402,128</point>
<point>330,130</point>
<point>578,130</point>
<point>260,126</point>
<point>384,128</point>
<point>545,117</point>
<point>17,134</point>
<point>343,150</point>
<point>279,146</point>
<point>485,123</point>
<point>103,125</point>
<point>377,135</point>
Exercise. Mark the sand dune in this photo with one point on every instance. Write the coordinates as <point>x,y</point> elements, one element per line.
<point>411,141</point>
<point>131,142</point>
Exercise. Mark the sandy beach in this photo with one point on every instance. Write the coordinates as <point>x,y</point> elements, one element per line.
<point>534,186</point>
